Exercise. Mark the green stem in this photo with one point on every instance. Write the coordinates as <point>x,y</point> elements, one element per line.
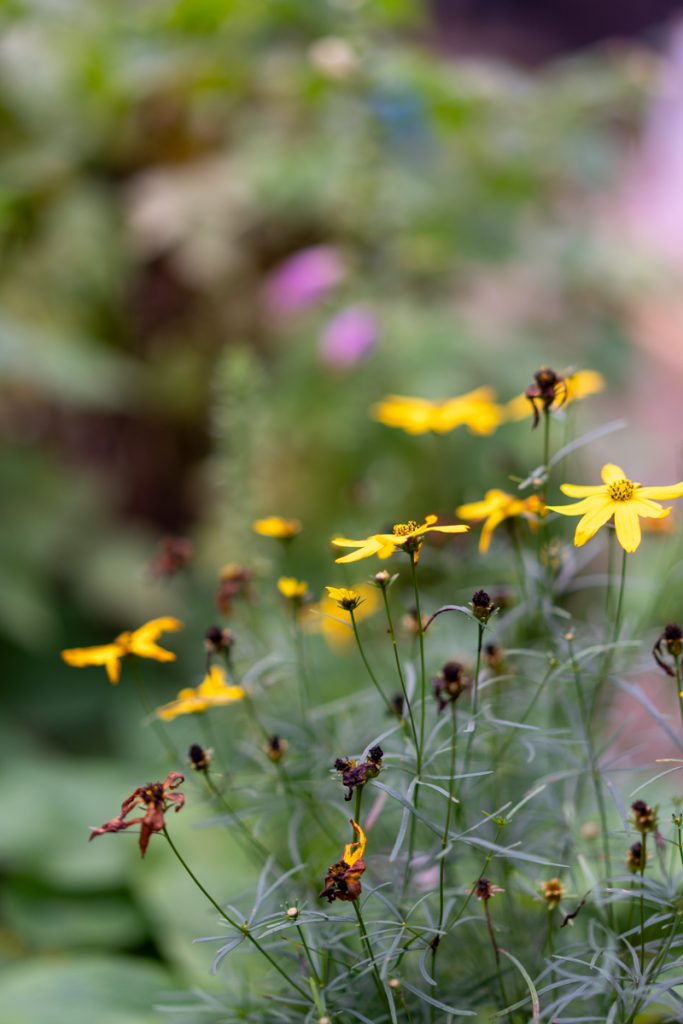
<point>371,956</point>
<point>359,799</point>
<point>311,963</point>
<point>643,862</point>
<point>240,928</point>
<point>482,873</point>
<point>304,689</point>
<point>489,925</point>
<point>475,701</point>
<point>444,839</point>
<point>616,632</point>
<point>232,814</point>
<point>594,770</point>
<point>679,682</point>
<point>368,667</point>
<point>423,703</point>
<point>399,668</point>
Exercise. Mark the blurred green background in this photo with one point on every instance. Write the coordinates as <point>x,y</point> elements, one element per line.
<point>229,227</point>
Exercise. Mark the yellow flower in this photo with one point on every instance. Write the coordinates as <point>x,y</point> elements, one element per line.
<point>619,497</point>
<point>212,692</point>
<point>497,506</point>
<point>324,617</point>
<point>570,389</point>
<point>477,410</point>
<point>277,527</point>
<point>408,536</point>
<point>353,852</point>
<point>141,642</point>
<point>291,588</point>
<point>346,599</point>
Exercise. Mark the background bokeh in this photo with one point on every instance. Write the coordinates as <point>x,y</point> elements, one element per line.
<point>228,228</point>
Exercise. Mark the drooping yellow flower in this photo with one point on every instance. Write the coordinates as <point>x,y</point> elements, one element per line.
<point>346,599</point>
<point>497,506</point>
<point>141,642</point>
<point>571,388</point>
<point>408,536</point>
<point>353,852</point>
<point>619,497</point>
<point>476,410</point>
<point>277,527</point>
<point>324,617</point>
<point>214,691</point>
<point>291,588</point>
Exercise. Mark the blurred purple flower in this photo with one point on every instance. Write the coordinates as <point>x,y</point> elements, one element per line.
<point>348,337</point>
<point>304,278</point>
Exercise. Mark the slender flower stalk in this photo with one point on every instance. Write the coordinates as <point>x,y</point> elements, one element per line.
<point>365,939</point>
<point>643,862</point>
<point>592,761</point>
<point>373,677</point>
<point>481,626</point>
<point>399,668</point>
<point>444,839</point>
<point>252,841</point>
<point>243,928</point>
<point>423,705</point>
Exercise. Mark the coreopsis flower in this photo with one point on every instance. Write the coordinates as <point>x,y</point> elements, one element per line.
<point>324,615</point>
<point>277,527</point>
<point>451,681</point>
<point>354,775</point>
<point>200,757</point>
<point>342,881</point>
<point>634,858</point>
<point>407,536</point>
<point>644,817</point>
<point>276,748</point>
<point>553,892</point>
<point>234,582</point>
<point>476,410</point>
<point>482,606</point>
<point>156,798</point>
<point>141,642</point>
<point>292,589</point>
<point>173,555</point>
<point>497,506</point>
<point>347,600</point>
<point>218,641</point>
<point>669,643</point>
<point>552,391</point>
<point>485,890</point>
<point>213,692</point>
<point>619,497</point>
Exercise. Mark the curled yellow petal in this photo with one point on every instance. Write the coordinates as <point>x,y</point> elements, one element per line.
<point>353,852</point>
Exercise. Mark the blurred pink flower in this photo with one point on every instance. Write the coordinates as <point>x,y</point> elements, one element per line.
<point>304,278</point>
<point>348,337</point>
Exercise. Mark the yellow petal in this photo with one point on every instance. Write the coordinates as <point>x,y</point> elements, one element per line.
<point>628,527</point>
<point>648,509</point>
<point>611,473</point>
<point>414,415</point>
<point>368,548</point>
<point>579,491</point>
<point>662,493</point>
<point>459,528</point>
<point>79,657</point>
<point>600,512</point>
<point>579,508</point>
<point>153,629</point>
<point>353,852</point>
<point>584,383</point>
<point>475,510</point>
<point>489,526</point>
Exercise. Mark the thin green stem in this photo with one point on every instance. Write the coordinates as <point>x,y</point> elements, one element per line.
<point>359,800</point>
<point>546,455</point>
<point>594,770</point>
<point>470,894</point>
<point>444,839</point>
<point>234,817</point>
<point>304,688</point>
<point>361,651</point>
<point>489,925</point>
<point>399,668</point>
<point>475,700</point>
<point>423,703</point>
<point>309,957</point>
<point>365,939</point>
<point>679,682</point>
<point>240,928</point>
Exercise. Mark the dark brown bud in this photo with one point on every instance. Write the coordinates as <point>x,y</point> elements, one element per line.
<point>644,816</point>
<point>200,757</point>
<point>217,640</point>
<point>634,858</point>
<point>276,748</point>
<point>482,606</point>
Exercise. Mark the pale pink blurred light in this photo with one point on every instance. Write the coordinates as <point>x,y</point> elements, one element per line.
<point>304,278</point>
<point>349,337</point>
<point>654,199</point>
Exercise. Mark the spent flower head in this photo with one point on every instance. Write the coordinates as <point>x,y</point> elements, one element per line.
<point>200,757</point>
<point>485,890</point>
<point>644,817</point>
<point>141,642</point>
<point>451,681</point>
<point>669,644</point>
<point>482,606</point>
<point>569,387</point>
<point>342,881</point>
<point>355,775</point>
<point>156,798</point>
<point>619,497</point>
<point>553,892</point>
<point>634,858</point>
<point>275,748</point>
<point>234,582</point>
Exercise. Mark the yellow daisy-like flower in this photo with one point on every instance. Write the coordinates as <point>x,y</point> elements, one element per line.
<point>619,497</point>
<point>323,617</point>
<point>497,506</point>
<point>476,410</point>
<point>346,599</point>
<point>291,588</point>
<point>214,691</point>
<point>277,527</point>
<point>571,389</point>
<point>141,642</point>
<point>408,536</point>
